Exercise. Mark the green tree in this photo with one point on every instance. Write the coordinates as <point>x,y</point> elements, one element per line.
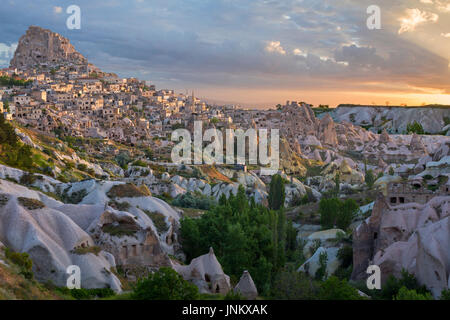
<point>334,212</point>
<point>328,209</point>
<point>406,294</point>
<point>335,289</point>
<point>276,192</point>
<point>414,127</point>
<point>165,284</point>
<point>370,178</point>
<point>346,214</point>
<point>293,285</point>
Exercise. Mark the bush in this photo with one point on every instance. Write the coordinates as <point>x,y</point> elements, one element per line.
<point>128,190</point>
<point>87,294</point>
<point>393,285</point>
<point>321,272</point>
<point>159,220</point>
<point>22,260</point>
<point>232,295</point>
<point>445,294</point>
<point>405,294</point>
<point>293,285</point>
<point>92,249</point>
<point>121,206</point>
<point>335,289</point>
<point>196,201</point>
<point>165,284</point>
<point>414,127</point>
<point>28,179</point>
<point>334,212</point>
<point>31,204</point>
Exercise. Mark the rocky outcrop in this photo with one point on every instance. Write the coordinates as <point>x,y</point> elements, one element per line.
<point>246,287</point>
<point>43,47</point>
<point>327,131</point>
<point>206,273</point>
<point>408,236</point>
<point>393,119</point>
<point>31,222</point>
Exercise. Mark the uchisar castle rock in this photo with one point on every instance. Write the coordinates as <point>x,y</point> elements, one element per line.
<point>99,185</point>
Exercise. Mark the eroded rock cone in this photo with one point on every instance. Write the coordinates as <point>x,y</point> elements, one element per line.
<point>246,286</point>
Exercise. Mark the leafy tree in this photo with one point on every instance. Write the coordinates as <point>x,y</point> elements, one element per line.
<point>328,209</point>
<point>406,294</point>
<point>391,171</point>
<point>393,285</point>
<point>335,289</point>
<point>346,214</point>
<point>414,127</point>
<point>370,178</point>
<point>445,294</point>
<point>165,284</point>
<point>293,285</point>
<point>334,212</point>
<point>245,236</point>
<point>321,272</point>
<point>276,192</point>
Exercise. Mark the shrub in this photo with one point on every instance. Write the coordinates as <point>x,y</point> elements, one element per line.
<point>414,127</point>
<point>31,204</point>
<point>92,249</point>
<point>196,201</point>
<point>121,206</point>
<point>120,230</point>
<point>321,272</point>
<point>393,285</point>
<point>233,295</point>
<point>140,163</point>
<point>3,200</point>
<point>22,260</point>
<point>128,190</point>
<point>445,294</point>
<point>87,294</point>
<point>370,178</point>
<point>336,212</point>
<point>28,179</point>
<point>165,284</point>
<point>75,197</point>
<point>159,221</point>
<point>335,289</point>
<point>293,285</point>
<point>405,294</point>
<point>82,167</point>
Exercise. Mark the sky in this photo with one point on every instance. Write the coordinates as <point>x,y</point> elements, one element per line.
<point>258,52</point>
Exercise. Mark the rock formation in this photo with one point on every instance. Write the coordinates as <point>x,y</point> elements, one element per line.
<point>43,47</point>
<point>406,235</point>
<point>246,287</point>
<point>206,273</point>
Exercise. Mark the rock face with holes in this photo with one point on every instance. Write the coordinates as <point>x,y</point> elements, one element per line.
<point>206,273</point>
<point>43,47</point>
<point>410,236</point>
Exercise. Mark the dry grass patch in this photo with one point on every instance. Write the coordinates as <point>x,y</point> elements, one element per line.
<point>31,204</point>
<point>128,190</point>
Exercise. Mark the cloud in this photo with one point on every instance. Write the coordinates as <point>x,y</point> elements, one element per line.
<point>414,17</point>
<point>445,35</point>
<point>57,10</point>
<point>275,46</point>
<point>7,53</point>
<point>299,52</point>
<point>427,1</point>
